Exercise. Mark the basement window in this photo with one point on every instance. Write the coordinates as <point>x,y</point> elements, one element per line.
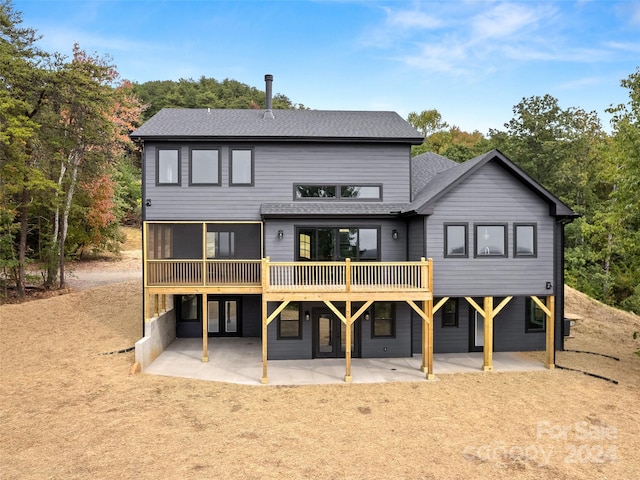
<point>289,322</point>
<point>383,323</point>
<point>535,318</point>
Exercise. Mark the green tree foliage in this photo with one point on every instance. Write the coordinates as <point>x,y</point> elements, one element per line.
<point>445,140</point>
<point>64,128</point>
<point>204,93</point>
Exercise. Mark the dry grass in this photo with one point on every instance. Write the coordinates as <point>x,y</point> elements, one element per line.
<point>70,413</point>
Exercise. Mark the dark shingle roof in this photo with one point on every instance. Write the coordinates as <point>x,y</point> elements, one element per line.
<point>426,166</point>
<point>184,123</point>
<point>331,209</point>
<point>442,182</point>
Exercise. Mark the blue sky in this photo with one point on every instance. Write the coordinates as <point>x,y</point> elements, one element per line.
<point>471,60</point>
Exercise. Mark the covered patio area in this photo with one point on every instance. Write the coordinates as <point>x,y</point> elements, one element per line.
<point>239,360</point>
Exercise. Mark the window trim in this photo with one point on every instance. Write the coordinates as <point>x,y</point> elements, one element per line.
<point>338,189</point>
<point>392,319</point>
<point>466,240</point>
<point>530,305</point>
<point>336,246</point>
<point>456,302</point>
<point>504,226</point>
<point>535,240</point>
<point>205,184</point>
<point>231,182</point>
<point>178,181</point>
<point>286,337</point>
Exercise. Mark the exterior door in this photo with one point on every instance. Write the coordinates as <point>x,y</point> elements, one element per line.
<point>223,317</point>
<point>330,334</point>
<point>476,333</point>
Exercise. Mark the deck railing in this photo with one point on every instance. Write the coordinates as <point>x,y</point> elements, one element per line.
<point>344,276</point>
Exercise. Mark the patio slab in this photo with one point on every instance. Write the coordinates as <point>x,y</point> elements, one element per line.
<point>239,360</point>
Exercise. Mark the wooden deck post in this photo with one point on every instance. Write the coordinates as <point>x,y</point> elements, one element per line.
<point>205,330</point>
<point>428,309</point>
<point>347,346</point>
<point>550,333</point>
<point>265,287</point>
<point>488,334</point>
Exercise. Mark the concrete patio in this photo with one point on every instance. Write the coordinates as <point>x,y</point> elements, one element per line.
<point>239,360</point>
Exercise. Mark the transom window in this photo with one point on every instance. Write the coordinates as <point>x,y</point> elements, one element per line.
<point>455,240</point>
<point>205,167</point>
<point>241,167</point>
<point>289,322</point>
<point>333,244</point>
<point>491,240</point>
<point>383,324</point>
<point>168,166</point>
<point>525,241</point>
<point>338,192</point>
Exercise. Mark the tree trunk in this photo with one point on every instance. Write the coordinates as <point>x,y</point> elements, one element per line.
<point>64,222</point>
<point>52,267</point>
<point>22,245</point>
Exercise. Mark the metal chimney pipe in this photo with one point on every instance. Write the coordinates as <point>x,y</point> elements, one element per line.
<point>268,94</point>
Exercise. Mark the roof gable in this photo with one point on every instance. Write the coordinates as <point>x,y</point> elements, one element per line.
<point>286,125</point>
<point>443,182</point>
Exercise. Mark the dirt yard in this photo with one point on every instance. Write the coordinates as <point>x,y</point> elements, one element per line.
<point>69,412</point>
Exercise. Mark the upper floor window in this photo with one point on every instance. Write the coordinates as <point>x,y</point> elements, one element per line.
<point>338,192</point>
<point>221,244</point>
<point>241,167</point>
<point>331,244</point>
<point>168,166</point>
<point>455,240</point>
<point>524,240</point>
<point>205,167</point>
<point>491,240</point>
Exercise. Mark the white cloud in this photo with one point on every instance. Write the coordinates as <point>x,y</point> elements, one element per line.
<point>507,20</point>
<point>412,19</point>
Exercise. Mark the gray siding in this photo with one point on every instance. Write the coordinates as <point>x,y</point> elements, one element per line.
<point>251,316</point>
<point>491,195</point>
<point>416,234</point>
<point>399,346</point>
<point>509,333</point>
<point>277,168</point>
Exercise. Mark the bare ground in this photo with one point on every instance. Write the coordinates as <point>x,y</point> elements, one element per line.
<point>68,412</point>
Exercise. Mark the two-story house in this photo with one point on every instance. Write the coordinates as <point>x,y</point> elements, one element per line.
<point>310,230</point>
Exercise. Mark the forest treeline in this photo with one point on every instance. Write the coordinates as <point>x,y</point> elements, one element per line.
<point>70,176</point>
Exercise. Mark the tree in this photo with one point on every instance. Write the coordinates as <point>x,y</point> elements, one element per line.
<point>23,89</point>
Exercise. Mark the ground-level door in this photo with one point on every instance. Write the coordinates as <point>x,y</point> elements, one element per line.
<point>224,317</point>
<point>330,334</point>
<point>476,331</point>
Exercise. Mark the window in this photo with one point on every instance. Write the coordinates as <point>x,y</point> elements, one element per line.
<point>332,244</point>
<point>450,313</point>
<point>221,244</point>
<point>524,240</point>
<point>168,164</point>
<point>241,167</point>
<point>189,307</point>
<point>289,324</point>
<point>383,324</point>
<point>455,240</point>
<point>337,192</point>
<point>535,318</point>
<point>491,240</point>
<point>205,167</point>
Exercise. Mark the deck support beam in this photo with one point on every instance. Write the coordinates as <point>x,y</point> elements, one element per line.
<point>205,329</point>
<point>347,346</point>
<point>549,311</point>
